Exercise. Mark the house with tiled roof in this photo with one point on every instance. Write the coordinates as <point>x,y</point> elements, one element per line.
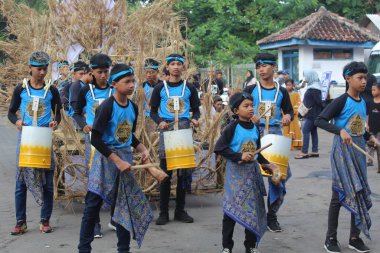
<point>323,41</point>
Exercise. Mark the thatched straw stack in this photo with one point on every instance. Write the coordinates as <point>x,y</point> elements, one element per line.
<point>127,36</point>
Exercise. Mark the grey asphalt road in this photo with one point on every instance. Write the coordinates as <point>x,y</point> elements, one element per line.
<point>303,215</point>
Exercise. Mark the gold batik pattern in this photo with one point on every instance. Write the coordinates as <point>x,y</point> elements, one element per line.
<point>123,132</point>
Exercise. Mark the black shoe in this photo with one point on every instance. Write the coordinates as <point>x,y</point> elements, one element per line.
<point>183,216</point>
<point>163,218</point>
<point>274,226</point>
<point>251,250</point>
<point>358,245</point>
<point>226,250</point>
<point>332,245</point>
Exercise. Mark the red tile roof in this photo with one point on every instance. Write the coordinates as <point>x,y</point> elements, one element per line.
<point>322,25</point>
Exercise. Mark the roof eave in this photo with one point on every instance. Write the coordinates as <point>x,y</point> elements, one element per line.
<point>293,42</point>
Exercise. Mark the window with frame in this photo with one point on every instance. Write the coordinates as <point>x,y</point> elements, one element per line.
<point>333,54</point>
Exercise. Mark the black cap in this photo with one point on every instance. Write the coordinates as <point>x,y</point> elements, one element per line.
<point>238,98</point>
<point>100,61</point>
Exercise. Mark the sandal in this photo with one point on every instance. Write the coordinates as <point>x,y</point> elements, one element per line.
<point>313,155</point>
<point>301,156</point>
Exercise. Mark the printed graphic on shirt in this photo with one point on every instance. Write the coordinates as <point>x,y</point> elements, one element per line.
<point>40,110</point>
<point>123,132</point>
<point>170,106</point>
<point>249,146</point>
<point>261,109</point>
<point>356,125</point>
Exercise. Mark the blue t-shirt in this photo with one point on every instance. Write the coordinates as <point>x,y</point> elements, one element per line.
<point>116,123</point>
<point>263,98</point>
<point>90,97</point>
<point>148,93</point>
<point>244,140</point>
<point>44,116</point>
<point>168,95</point>
<point>353,117</point>
<point>348,114</point>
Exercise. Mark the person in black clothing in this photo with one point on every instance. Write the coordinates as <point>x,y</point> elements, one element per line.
<point>373,120</point>
<point>216,85</point>
<point>268,93</point>
<point>367,93</point>
<point>312,100</point>
<point>244,188</point>
<point>162,112</point>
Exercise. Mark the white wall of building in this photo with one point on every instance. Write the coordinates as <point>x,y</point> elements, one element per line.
<point>307,61</point>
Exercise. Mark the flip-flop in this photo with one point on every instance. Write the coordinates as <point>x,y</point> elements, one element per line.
<point>301,156</point>
<point>313,155</point>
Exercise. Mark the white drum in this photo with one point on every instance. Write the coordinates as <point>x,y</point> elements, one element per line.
<point>279,152</point>
<point>179,149</point>
<point>35,147</point>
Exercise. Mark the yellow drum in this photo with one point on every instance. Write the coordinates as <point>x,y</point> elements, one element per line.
<point>35,147</point>
<point>278,153</point>
<point>179,149</point>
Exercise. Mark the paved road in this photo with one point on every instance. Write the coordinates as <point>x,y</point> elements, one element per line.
<point>303,216</point>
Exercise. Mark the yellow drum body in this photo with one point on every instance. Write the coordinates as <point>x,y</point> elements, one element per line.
<point>278,153</point>
<point>35,147</point>
<point>179,149</point>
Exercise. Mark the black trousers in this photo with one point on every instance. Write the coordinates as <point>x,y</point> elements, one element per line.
<point>228,232</point>
<point>165,190</point>
<point>334,217</point>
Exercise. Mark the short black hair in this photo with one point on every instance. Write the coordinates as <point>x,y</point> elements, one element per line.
<point>166,72</point>
<point>119,71</point>
<point>289,80</point>
<point>353,68</point>
<point>81,65</point>
<point>270,58</point>
<point>217,99</point>
<point>151,63</point>
<point>100,61</point>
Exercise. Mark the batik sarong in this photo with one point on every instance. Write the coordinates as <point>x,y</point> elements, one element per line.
<point>243,200</point>
<point>349,179</point>
<point>132,209</point>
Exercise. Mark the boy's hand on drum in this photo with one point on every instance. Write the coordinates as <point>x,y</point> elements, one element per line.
<point>19,124</point>
<point>195,122</point>
<point>87,129</point>
<point>255,119</point>
<point>53,124</point>
<point>286,120</point>
<point>247,156</point>
<point>346,138</point>
<point>163,125</point>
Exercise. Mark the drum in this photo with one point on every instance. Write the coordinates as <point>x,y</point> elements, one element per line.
<point>35,147</point>
<point>279,152</point>
<point>179,149</point>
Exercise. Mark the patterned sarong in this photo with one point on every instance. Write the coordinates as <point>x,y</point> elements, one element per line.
<point>349,179</point>
<point>244,192</point>
<point>132,209</point>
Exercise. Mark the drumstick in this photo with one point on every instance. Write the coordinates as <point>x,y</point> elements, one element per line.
<point>267,110</point>
<point>144,166</point>
<point>363,152</point>
<point>35,118</point>
<point>258,151</point>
